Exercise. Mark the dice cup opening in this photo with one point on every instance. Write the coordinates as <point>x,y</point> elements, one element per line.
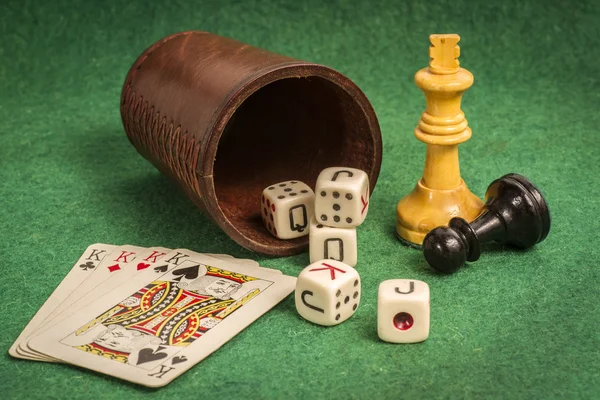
<point>289,128</point>
<point>225,120</point>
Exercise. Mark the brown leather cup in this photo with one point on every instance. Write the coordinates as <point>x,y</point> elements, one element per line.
<point>225,120</point>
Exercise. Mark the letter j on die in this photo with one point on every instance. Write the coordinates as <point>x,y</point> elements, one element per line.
<point>403,311</point>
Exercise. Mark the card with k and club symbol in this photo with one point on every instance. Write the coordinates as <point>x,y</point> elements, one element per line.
<point>82,269</point>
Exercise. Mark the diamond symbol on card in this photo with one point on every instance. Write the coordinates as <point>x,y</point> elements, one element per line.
<point>114,268</point>
<point>87,265</point>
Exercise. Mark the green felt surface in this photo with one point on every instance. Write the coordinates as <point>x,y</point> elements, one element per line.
<point>516,324</point>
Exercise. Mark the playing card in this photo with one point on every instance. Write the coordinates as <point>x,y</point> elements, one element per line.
<point>120,263</point>
<point>146,258</point>
<point>227,257</point>
<point>82,269</point>
<point>156,326</point>
<point>114,264</point>
<point>152,258</point>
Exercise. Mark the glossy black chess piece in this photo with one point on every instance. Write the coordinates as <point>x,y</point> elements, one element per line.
<point>514,213</point>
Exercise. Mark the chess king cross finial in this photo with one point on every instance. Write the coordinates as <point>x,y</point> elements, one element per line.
<point>444,53</point>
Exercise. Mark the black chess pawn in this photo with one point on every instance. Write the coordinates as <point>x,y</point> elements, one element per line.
<point>514,212</point>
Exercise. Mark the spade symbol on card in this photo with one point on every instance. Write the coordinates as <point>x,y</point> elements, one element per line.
<point>87,265</point>
<point>162,268</point>
<point>188,273</point>
<point>178,359</point>
<point>147,355</point>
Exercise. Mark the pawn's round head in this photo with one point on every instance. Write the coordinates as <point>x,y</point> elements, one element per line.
<point>444,249</point>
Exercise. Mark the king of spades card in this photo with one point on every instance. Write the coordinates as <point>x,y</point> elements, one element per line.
<point>167,315</point>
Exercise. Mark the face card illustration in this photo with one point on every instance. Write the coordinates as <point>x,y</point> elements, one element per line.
<point>88,263</point>
<point>167,312</point>
<point>152,334</point>
<point>82,269</point>
<point>241,261</point>
<point>112,264</point>
<point>147,259</point>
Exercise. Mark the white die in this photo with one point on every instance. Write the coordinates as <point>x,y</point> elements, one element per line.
<point>287,208</point>
<point>342,197</point>
<point>332,243</point>
<point>327,292</point>
<point>403,311</point>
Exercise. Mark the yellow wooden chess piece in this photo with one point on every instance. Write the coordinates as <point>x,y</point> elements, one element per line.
<point>440,194</point>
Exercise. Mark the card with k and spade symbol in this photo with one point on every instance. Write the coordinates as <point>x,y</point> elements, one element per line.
<point>155,258</point>
<point>154,327</point>
<point>119,268</point>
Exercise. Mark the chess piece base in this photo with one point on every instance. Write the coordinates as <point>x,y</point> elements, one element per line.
<point>425,209</point>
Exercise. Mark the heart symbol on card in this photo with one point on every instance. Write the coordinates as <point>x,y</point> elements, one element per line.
<point>162,268</point>
<point>141,266</point>
<point>147,355</point>
<point>178,359</point>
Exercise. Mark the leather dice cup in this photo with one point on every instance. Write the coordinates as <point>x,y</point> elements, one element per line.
<point>224,120</point>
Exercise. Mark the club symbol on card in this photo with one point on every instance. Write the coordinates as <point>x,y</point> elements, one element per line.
<point>147,355</point>
<point>114,268</point>
<point>178,359</point>
<point>141,266</point>
<point>87,265</point>
<point>161,268</point>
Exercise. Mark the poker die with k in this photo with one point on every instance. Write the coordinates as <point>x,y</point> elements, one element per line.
<point>327,292</point>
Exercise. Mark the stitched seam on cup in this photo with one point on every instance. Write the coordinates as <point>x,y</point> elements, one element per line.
<point>173,150</point>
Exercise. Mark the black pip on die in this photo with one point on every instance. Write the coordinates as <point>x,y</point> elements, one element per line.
<point>327,292</point>
<point>403,311</point>
<point>287,208</point>
<point>342,197</point>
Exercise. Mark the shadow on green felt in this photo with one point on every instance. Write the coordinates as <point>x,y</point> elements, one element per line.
<point>174,218</point>
<point>368,326</point>
<point>417,260</point>
<point>138,202</point>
